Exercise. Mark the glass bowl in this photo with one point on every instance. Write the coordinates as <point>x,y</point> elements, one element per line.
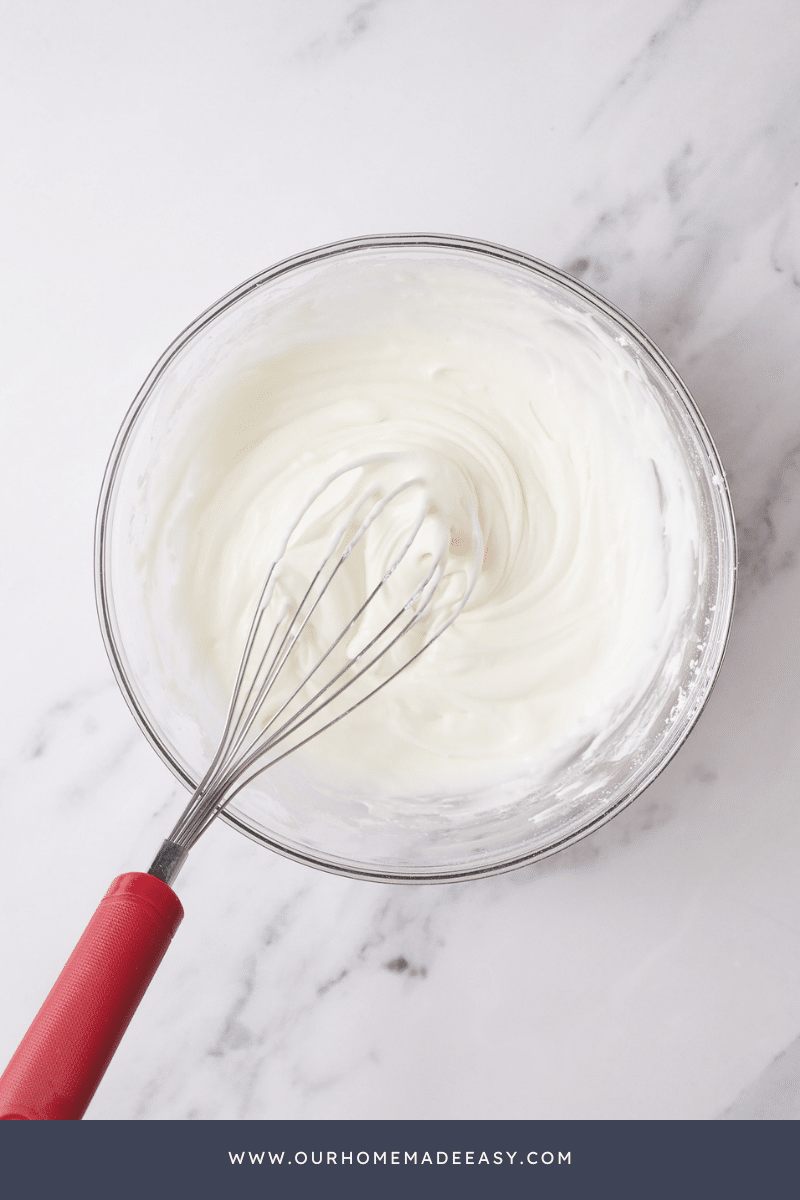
<point>169,701</point>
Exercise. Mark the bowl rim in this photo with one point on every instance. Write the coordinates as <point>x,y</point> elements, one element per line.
<point>728,568</point>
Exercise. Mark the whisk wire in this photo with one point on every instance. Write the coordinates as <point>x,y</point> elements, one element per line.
<point>347,628</point>
<point>295,722</point>
<point>242,755</point>
<point>292,636</point>
<point>240,773</point>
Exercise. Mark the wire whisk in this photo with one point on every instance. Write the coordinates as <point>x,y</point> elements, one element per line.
<point>295,680</point>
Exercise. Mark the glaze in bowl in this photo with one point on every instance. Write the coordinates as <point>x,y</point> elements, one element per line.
<point>447,841</point>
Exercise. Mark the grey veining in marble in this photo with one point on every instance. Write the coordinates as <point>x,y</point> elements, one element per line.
<point>156,155</point>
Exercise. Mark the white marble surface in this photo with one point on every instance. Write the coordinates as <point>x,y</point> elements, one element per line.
<point>155,154</point>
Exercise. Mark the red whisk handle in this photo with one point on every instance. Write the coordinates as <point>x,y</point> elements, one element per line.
<point>64,1055</point>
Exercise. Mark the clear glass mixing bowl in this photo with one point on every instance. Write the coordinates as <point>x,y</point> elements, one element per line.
<point>451,843</point>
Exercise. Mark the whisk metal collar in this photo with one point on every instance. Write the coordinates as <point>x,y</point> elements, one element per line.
<point>168,862</point>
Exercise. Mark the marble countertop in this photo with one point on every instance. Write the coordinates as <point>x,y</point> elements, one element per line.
<point>156,154</point>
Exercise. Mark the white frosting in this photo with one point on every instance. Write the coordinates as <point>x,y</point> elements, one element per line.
<point>505,404</point>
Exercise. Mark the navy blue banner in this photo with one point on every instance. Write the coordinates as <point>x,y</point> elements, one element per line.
<point>230,1159</point>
